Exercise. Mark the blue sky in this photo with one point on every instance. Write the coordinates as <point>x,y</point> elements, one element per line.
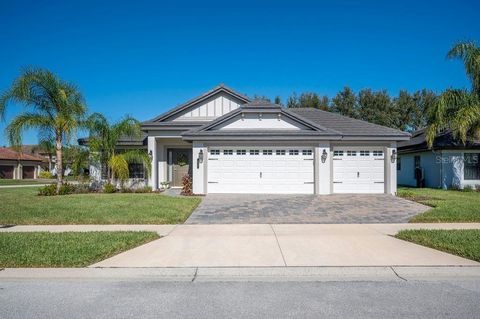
<point>143,57</point>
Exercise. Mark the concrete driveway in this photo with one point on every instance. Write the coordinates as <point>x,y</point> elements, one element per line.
<point>304,209</point>
<point>286,246</point>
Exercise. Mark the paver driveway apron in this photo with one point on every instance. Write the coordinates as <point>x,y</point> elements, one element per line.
<point>304,209</point>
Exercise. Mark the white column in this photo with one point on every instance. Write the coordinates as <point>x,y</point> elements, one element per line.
<point>323,178</point>
<point>391,169</point>
<point>152,149</point>
<point>199,169</point>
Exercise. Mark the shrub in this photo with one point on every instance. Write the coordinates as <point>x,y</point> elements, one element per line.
<point>45,174</point>
<point>468,188</point>
<point>109,188</point>
<point>187,185</point>
<point>65,189</point>
<point>477,187</point>
<point>48,190</point>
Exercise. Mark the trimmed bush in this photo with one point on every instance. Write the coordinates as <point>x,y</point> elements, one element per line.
<point>65,189</point>
<point>45,174</point>
<point>187,185</point>
<point>109,188</point>
<point>48,190</point>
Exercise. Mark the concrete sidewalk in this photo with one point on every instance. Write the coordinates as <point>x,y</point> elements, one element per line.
<point>286,246</point>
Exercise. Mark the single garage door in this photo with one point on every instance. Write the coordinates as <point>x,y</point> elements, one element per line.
<point>28,172</point>
<point>287,170</point>
<point>6,171</point>
<point>358,170</point>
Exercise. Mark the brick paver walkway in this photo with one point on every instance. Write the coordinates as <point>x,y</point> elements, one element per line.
<point>303,209</point>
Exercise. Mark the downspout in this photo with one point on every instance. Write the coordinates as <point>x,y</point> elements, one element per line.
<point>441,169</point>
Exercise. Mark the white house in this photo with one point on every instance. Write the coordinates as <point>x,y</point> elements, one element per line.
<point>448,164</point>
<point>229,144</point>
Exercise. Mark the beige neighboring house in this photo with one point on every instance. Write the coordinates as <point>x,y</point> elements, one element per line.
<point>16,165</point>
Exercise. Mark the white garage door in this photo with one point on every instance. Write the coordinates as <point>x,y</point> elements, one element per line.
<point>358,170</point>
<point>287,170</point>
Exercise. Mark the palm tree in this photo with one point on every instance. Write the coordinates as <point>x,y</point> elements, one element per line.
<point>103,140</point>
<point>459,110</point>
<point>56,108</point>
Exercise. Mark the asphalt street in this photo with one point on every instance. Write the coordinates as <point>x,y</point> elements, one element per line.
<point>157,299</point>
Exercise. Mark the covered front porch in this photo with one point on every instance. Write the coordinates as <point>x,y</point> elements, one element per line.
<point>172,159</point>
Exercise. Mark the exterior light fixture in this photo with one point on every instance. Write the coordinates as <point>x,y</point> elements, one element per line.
<point>200,158</point>
<point>150,154</point>
<point>394,156</point>
<point>324,156</point>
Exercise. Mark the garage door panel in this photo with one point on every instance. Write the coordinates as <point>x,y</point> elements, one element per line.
<point>358,170</point>
<point>246,173</point>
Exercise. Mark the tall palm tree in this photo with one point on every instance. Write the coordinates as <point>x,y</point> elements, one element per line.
<point>103,140</point>
<point>459,110</point>
<point>55,107</point>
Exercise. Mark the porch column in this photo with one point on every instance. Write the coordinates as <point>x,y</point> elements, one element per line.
<point>391,170</point>
<point>199,169</point>
<point>322,170</point>
<point>152,151</point>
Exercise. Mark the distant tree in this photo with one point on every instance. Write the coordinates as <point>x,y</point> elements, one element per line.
<point>345,103</point>
<point>403,108</point>
<point>424,101</point>
<point>261,98</point>
<point>278,100</point>
<point>56,109</point>
<point>76,158</point>
<point>375,107</point>
<point>292,101</point>
<point>47,146</point>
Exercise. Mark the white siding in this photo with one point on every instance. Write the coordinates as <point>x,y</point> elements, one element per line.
<point>209,109</point>
<point>265,121</point>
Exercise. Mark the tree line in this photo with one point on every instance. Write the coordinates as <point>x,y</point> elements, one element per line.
<point>406,112</point>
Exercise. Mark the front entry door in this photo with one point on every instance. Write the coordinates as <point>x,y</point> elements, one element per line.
<point>180,165</point>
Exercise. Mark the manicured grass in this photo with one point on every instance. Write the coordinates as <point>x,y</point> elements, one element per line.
<point>24,181</point>
<point>42,249</point>
<point>447,205</point>
<point>23,206</point>
<point>464,243</point>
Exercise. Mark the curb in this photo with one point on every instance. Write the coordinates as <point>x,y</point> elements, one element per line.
<point>193,274</point>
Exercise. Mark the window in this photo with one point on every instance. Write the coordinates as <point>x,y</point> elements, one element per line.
<point>227,152</point>
<point>267,152</point>
<point>280,152</point>
<point>364,153</point>
<point>337,153</point>
<point>214,152</point>
<point>307,152</point>
<point>241,152</point>
<point>254,152</point>
<point>399,163</point>
<point>351,153</point>
<point>136,170</point>
<point>416,164</point>
<point>293,152</point>
<point>471,168</point>
<point>377,153</point>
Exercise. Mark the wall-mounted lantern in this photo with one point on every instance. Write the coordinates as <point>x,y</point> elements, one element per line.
<point>324,156</point>
<point>394,156</point>
<point>200,158</point>
<point>150,154</point>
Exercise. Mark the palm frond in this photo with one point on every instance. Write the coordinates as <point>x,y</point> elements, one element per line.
<point>139,157</point>
<point>24,122</point>
<point>119,167</point>
<point>469,53</point>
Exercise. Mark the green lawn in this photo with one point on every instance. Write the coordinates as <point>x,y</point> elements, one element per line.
<point>70,249</point>
<point>447,205</point>
<point>25,181</point>
<point>22,206</point>
<point>464,243</point>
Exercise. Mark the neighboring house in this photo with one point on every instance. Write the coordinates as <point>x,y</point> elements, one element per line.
<point>449,164</point>
<point>229,144</point>
<point>48,160</point>
<point>16,165</point>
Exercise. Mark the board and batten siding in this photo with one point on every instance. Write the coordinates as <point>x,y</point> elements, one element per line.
<point>216,106</point>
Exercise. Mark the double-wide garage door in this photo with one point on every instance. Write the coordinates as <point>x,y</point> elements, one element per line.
<point>358,170</point>
<point>283,170</point>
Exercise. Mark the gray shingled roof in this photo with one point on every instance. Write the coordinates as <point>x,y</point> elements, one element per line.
<point>444,140</point>
<point>346,125</point>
